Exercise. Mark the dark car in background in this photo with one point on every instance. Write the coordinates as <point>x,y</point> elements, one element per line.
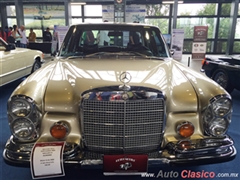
<point>225,70</point>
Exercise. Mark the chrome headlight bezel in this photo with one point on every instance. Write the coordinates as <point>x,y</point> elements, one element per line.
<point>217,115</point>
<point>23,117</point>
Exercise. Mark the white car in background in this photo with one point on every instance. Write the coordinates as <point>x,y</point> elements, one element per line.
<point>16,63</point>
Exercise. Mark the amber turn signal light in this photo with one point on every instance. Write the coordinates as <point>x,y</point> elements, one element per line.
<point>184,145</point>
<point>204,61</point>
<point>185,129</point>
<point>59,130</point>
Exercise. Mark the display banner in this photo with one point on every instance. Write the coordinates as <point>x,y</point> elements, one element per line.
<point>47,160</point>
<point>199,42</point>
<point>59,33</point>
<point>134,12</point>
<point>177,43</point>
<point>108,13</point>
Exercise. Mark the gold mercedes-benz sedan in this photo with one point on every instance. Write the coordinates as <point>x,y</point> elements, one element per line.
<point>16,63</point>
<point>114,96</point>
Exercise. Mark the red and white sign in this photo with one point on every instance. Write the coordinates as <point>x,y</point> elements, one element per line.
<point>47,160</point>
<point>199,46</point>
<point>125,164</point>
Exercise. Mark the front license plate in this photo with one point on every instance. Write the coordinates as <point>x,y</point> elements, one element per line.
<point>125,164</point>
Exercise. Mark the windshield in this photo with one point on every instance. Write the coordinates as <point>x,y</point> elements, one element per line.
<point>89,39</point>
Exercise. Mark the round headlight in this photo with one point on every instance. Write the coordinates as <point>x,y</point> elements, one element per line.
<point>218,126</point>
<point>20,107</point>
<point>217,116</point>
<point>22,128</point>
<point>221,107</point>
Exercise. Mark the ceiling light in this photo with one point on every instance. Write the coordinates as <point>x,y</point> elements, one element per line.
<point>78,3</point>
<point>171,2</point>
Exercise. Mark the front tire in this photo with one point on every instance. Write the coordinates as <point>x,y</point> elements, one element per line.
<point>221,77</point>
<point>37,65</point>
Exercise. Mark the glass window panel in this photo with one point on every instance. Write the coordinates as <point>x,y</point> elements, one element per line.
<point>38,23</point>
<point>239,9</point>
<point>76,10</point>
<point>237,32</point>
<point>187,46</point>
<point>46,11</point>
<point>33,23</point>
<point>223,28</point>
<point>196,9</point>
<point>221,47</point>
<point>76,20</point>
<point>38,33</point>
<point>95,20</point>
<point>157,9</point>
<point>188,25</point>
<point>50,23</point>
<point>11,21</point>
<point>209,46</point>
<point>93,10</point>
<point>11,11</point>
<point>236,47</point>
<point>226,9</point>
<point>161,23</point>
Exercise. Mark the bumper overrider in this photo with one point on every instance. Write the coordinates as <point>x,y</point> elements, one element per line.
<point>199,151</point>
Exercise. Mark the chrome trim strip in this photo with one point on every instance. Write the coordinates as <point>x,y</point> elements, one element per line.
<point>20,153</point>
<point>12,72</point>
<point>123,135</point>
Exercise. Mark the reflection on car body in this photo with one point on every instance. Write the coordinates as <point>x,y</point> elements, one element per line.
<point>120,101</point>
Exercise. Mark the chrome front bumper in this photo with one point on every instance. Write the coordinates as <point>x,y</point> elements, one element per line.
<point>201,151</point>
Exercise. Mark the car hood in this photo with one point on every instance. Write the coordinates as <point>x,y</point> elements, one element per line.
<point>71,78</point>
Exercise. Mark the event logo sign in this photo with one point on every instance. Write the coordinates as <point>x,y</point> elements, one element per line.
<point>199,42</point>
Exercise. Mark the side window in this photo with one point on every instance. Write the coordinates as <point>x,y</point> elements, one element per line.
<point>135,38</point>
<point>160,45</point>
<point>89,37</point>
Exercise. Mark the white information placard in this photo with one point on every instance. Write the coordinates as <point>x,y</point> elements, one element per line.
<point>199,47</point>
<point>47,160</point>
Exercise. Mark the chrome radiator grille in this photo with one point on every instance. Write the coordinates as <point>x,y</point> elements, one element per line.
<point>123,127</point>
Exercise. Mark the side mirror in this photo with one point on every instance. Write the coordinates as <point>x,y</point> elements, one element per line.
<point>172,51</point>
<point>10,47</point>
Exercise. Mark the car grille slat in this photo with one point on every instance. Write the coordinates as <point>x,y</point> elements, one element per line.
<point>123,127</point>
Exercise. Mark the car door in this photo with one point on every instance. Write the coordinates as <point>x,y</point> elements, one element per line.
<point>12,64</point>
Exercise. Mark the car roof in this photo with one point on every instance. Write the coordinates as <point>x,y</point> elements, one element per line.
<point>114,24</point>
